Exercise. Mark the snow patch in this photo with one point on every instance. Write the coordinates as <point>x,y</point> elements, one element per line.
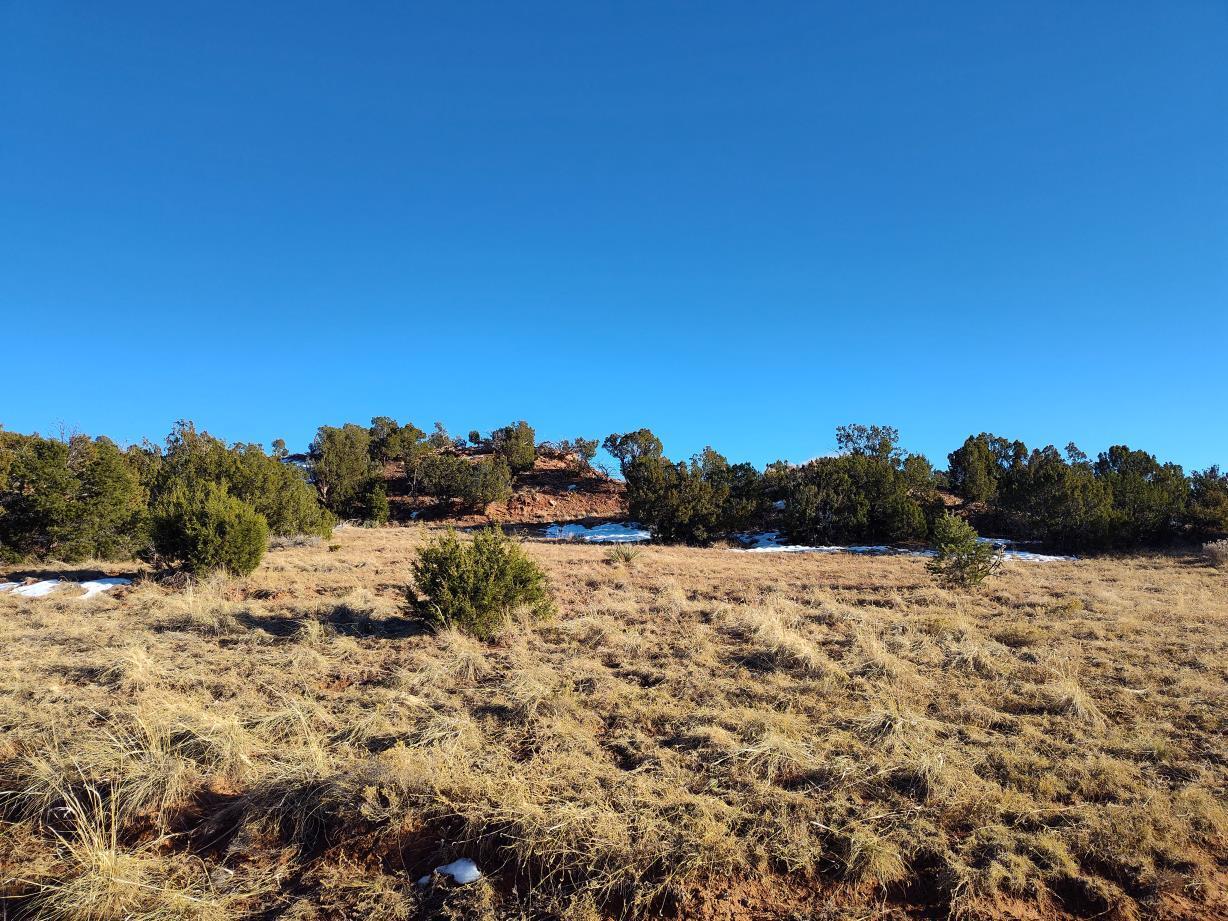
<point>773,542</point>
<point>98,586</point>
<point>614,532</point>
<point>41,589</point>
<point>462,871</point>
<point>37,589</point>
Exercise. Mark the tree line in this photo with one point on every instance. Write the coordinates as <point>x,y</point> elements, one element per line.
<point>199,502</point>
<point>873,491</point>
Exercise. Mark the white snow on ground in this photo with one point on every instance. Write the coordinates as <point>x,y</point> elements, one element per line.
<point>614,532</point>
<point>47,586</point>
<point>461,871</point>
<point>98,586</point>
<point>37,589</point>
<point>773,542</point>
<point>1027,556</point>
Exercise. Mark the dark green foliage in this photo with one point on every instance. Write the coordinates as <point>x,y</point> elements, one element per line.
<point>278,491</point>
<point>381,432</point>
<point>475,483</point>
<point>695,502</point>
<point>344,471</point>
<point>38,501</point>
<point>1208,508</point>
<point>629,446</point>
<point>441,475</point>
<point>516,445</point>
<point>1062,504</point>
<point>205,529</point>
<point>487,480</point>
<point>981,463</point>
<point>961,558</point>
<point>475,437</point>
<point>111,509</point>
<point>878,441</point>
<point>1149,498</point>
<point>69,500</point>
<point>375,508</point>
<point>476,586</point>
<point>390,441</point>
<point>1125,499</point>
<point>872,493</point>
<point>972,471</point>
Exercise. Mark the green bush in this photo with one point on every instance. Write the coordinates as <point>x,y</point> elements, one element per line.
<point>1208,510</point>
<point>484,481</point>
<point>516,445</point>
<point>476,586</point>
<point>629,446</point>
<point>855,498</point>
<point>204,528</point>
<point>277,490</point>
<point>961,558</point>
<point>475,483</point>
<point>69,500</point>
<point>376,510</point>
<point>344,470</point>
<point>582,450</point>
<point>391,441</point>
<point>693,502</point>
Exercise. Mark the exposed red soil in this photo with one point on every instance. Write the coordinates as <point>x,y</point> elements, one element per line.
<point>555,490</point>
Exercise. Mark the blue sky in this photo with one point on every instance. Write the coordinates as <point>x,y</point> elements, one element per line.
<point>738,224</point>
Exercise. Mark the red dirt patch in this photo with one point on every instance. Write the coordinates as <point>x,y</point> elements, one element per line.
<point>553,491</point>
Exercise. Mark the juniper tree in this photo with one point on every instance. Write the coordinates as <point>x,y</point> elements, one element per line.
<point>515,444</point>
<point>961,558</point>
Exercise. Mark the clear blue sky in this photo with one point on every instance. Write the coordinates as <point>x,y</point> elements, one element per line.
<point>737,223</point>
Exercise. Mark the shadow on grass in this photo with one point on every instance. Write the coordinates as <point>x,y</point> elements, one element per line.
<point>66,575</point>
<point>347,621</point>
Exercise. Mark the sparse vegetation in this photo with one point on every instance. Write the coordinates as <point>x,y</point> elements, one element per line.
<point>700,729</point>
<point>623,554</point>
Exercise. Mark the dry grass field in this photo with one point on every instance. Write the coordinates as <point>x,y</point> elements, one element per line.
<point>697,734</point>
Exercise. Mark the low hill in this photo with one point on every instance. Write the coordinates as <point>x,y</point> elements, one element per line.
<point>557,489</point>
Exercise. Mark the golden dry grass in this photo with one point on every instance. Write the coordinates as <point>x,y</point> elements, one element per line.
<point>698,733</point>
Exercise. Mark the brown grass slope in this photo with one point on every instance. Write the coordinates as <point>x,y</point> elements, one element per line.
<point>698,734</point>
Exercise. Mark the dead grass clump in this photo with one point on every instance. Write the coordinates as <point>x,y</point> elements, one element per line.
<point>1017,636</point>
<point>775,638</point>
<point>345,888</point>
<point>872,859</point>
<point>1216,553</point>
<point>136,766</point>
<point>973,658</point>
<point>1068,698</point>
